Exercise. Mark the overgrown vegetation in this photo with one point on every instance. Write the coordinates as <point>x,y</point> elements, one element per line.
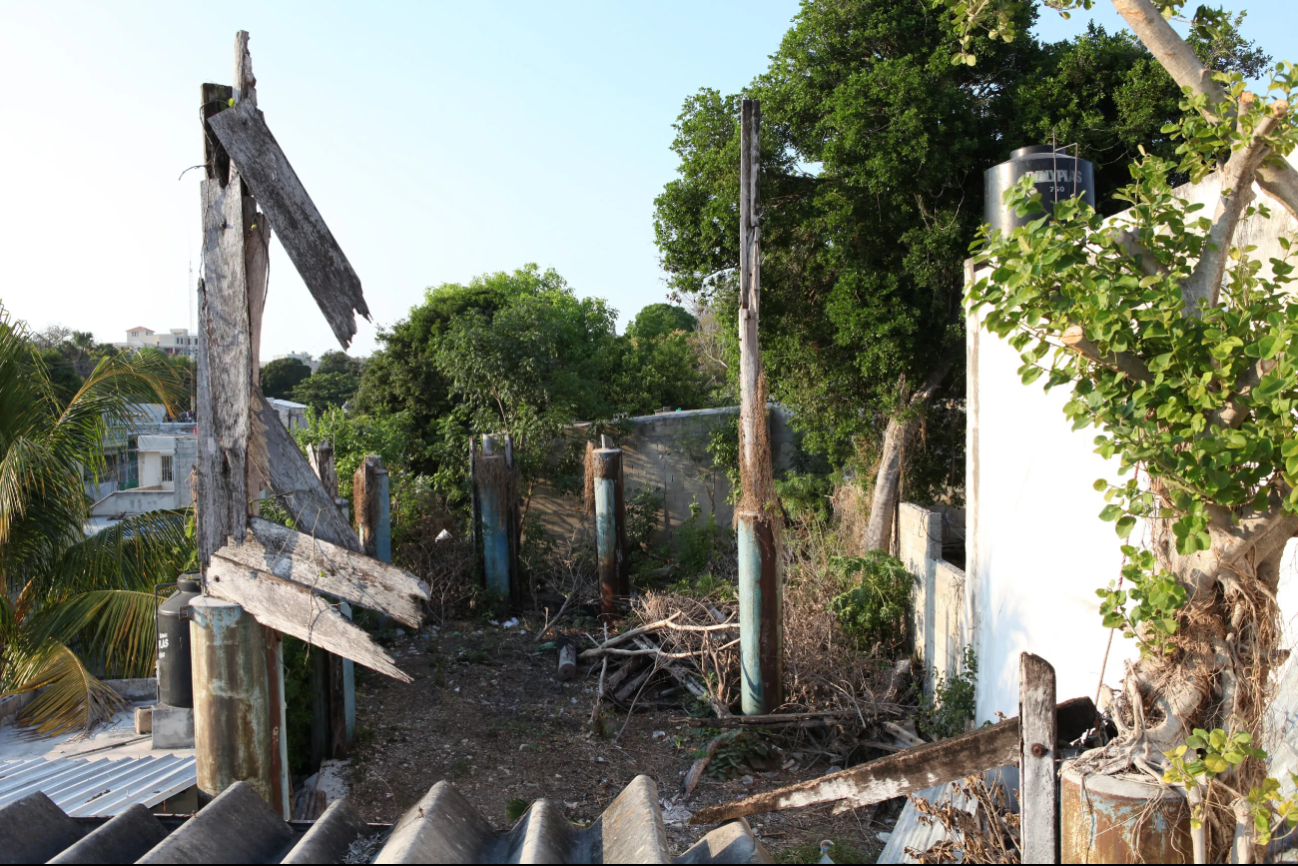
<point>871,608</point>
<point>951,707</point>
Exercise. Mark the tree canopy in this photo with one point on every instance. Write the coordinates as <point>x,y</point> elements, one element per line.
<point>873,148</point>
<point>281,376</point>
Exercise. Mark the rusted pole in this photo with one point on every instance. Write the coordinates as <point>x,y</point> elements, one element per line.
<point>233,732</point>
<point>608,531</point>
<point>761,633</point>
<point>333,681</point>
<point>493,494</point>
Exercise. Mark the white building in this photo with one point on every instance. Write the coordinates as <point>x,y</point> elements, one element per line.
<point>177,341</point>
<point>304,357</point>
<point>165,463</point>
<point>291,415</point>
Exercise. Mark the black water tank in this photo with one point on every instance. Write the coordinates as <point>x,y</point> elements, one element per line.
<point>175,677</point>
<point>1058,176</point>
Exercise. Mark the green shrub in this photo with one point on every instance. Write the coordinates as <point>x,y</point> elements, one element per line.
<point>871,608</point>
<point>952,705</point>
<point>696,540</point>
<point>805,496</point>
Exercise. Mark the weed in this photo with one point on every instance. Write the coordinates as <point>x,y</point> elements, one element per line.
<point>809,852</point>
<point>459,769</point>
<point>806,497</point>
<point>732,755</point>
<point>871,609</point>
<point>952,704</point>
<point>514,809</point>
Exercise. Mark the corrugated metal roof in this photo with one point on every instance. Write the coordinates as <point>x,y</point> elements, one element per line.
<point>240,827</point>
<point>86,788</point>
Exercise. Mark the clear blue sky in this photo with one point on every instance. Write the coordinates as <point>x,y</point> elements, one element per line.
<point>439,140</point>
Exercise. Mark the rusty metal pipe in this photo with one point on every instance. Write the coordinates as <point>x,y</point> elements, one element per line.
<point>761,617</point>
<point>1112,819</point>
<point>608,532</point>
<point>234,732</point>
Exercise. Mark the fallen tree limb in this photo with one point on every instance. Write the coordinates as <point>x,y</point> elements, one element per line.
<point>691,683</point>
<point>607,646</point>
<point>696,770</point>
<point>762,721</point>
<point>906,772</point>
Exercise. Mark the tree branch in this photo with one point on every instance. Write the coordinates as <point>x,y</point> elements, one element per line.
<point>1128,239</point>
<point>1236,194</point>
<point>1234,412</point>
<point>1170,50</point>
<point>1074,337</point>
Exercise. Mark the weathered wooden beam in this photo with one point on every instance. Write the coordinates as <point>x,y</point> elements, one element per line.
<point>365,503</point>
<point>330,569</point>
<point>905,772</point>
<point>223,383</point>
<point>1038,781</point>
<point>289,607</point>
<point>293,482</point>
<point>242,131</point>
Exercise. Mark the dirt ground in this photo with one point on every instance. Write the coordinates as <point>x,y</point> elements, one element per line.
<point>486,712</point>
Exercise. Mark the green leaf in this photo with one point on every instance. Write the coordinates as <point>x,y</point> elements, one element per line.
<point>1111,512</point>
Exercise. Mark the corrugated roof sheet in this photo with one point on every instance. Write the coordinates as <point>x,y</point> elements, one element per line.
<point>240,827</point>
<point>86,787</point>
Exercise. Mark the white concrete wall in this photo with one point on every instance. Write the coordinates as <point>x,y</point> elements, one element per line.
<point>939,622</point>
<point>1036,550</point>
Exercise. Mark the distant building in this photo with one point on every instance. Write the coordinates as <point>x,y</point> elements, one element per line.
<point>291,415</point>
<point>177,341</point>
<point>304,357</point>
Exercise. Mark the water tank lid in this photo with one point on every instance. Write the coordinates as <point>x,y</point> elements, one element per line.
<point>1039,148</point>
<point>188,584</point>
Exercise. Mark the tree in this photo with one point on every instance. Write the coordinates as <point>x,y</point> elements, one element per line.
<point>281,376</point>
<point>72,608</point>
<point>1179,346</point>
<point>659,364</point>
<point>873,148</point>
<point>339,362</point>
<point>321,391</point>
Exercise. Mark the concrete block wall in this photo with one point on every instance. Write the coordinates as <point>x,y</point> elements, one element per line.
<point>938,622</point>
<point>666,453</point>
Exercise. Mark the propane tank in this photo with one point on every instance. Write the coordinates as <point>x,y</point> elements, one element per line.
<point>175,680</point>
<point>1056,174</point>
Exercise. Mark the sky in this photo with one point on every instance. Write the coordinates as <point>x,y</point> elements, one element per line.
<point>438,140</point>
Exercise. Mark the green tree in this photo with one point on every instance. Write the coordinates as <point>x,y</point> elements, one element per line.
<point>659,364</point>
<point>324,390</point>
<point>339,362</point>
<point>281,376</point>
<point>72,608</point>
<point>873,148</point>
<point>1178,344</point>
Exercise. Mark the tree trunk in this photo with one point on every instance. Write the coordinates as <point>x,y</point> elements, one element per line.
<point>896,439</point>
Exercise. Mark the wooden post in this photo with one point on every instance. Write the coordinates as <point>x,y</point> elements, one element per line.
<point>383,508</point>
<point>231,468</point>
<point>1038,780</point>
<point>475,514</point>
<point>761,644</point>
<point>365,503</point>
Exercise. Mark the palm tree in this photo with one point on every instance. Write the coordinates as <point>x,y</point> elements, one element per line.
<point>74,608</point>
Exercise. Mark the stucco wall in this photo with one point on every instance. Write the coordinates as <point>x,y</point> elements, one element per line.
<point>939,622</point>
<point>1036,549</point>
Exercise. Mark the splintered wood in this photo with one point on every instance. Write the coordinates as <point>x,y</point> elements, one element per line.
<point>243,132</point>
<point>905,772</point>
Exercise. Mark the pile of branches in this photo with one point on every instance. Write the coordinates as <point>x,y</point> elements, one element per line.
<point>691,645</point>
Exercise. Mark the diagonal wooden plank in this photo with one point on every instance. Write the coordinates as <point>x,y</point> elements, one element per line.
<point>294,609</point>
<point>242,131</point>
<point>905,772</point>
<point>294,483</point>
<point>330,569</point>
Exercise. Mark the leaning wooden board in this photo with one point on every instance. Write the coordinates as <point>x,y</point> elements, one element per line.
<point>905,772</point>
<point>292,608</point>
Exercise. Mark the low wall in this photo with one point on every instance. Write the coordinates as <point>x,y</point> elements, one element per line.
<point>938,623</point>
<point>668,454</point>
<point>137,501</point>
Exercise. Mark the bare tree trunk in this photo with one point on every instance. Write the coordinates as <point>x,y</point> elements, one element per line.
<point>896,439</point>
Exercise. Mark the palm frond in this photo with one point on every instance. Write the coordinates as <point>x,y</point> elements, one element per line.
<point>137,553</point>
<point>113,630</point>
<point>73,698</point>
